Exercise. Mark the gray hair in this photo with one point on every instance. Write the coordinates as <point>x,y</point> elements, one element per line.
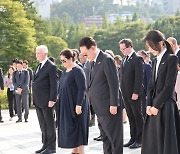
<point>43,48</point>
<point>172,40</point>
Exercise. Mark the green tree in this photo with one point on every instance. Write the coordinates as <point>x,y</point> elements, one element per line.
<point>105,22</point>
<point>16,32</point>
<point>55,45</point>
<point>135,17</point>
<point>169,26</point>
<point>31,14</point>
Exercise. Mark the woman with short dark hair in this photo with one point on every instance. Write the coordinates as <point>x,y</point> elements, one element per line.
<point>73,121</point>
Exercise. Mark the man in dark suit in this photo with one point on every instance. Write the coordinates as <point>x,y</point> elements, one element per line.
<point>1,91</point>
<point>44,88</point>
<point>131,79</point>
<point>175,47</point>
<point>103,91</point>
<point>20,81</point>
<point>25,66</point>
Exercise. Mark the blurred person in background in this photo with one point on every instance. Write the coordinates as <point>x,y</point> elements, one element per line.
<point>26,67</point>
<point>1,91</point>
<point>10,91</point>
<point>118,61</point>
<point>147,75</point>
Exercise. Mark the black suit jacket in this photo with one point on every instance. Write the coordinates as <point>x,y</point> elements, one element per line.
<point>131,76</point>
<point>1,80</point>
<point>147,75</point>
<point>30,76</point>
<point>103,86</point>
<point>45,84</point>
<point>161,89</point>
<point>178,55</point>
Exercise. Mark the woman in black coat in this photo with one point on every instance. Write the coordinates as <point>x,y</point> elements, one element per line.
<point>73,117</point>
<point>161,133</point>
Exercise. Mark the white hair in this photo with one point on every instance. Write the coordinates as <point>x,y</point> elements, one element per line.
<point>43,48</point>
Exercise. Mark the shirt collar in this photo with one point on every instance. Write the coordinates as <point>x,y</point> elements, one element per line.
<point>43,62</point>
<point>97,54</point>
<point>177,51</point>
<point>159,57</point>
<point>131,53</point>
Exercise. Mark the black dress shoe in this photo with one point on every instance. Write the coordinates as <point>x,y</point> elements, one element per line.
<point>1,121</point>
<point>128,144</point>
<point>40,150</point>
<point>26,120</point>
<point>48,151</point>
<point>135,145</point>
<point>19,120</point>
<point>99,138</point>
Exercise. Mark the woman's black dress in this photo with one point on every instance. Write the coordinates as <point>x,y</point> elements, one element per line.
<point>73,128</point>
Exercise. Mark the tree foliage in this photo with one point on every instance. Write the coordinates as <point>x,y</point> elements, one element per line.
<point>169,26</point>
<point>16,31</point>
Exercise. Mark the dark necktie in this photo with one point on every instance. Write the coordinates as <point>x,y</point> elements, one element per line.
<point>125,60</point>
<point>38,67</point>
<point>91,69</point>
<point>19,74</point>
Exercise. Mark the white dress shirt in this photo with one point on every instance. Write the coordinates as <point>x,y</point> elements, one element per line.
<point>159,57</point>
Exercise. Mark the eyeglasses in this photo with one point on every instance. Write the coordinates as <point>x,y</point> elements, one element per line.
<point>63,61</point>
<point>123,49</point>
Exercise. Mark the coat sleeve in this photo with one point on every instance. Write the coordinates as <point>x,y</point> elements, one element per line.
<point>139,71</point>
<point>14,80</point>
<point>170,81</point>
<point>111,73</point>
<point>26,81</point>
<point>53,77</point>
<point>80,80</point>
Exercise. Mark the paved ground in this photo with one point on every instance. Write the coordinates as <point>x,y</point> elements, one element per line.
<point>25,138</point>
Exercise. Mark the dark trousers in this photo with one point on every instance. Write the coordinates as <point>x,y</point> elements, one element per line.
<point>111,128</point>
<point>133,109</point>
<point>30,95</point>
<point>22,100</point>
<point>47,125</point>
<point>57,109</point>
<point>143,101</point>
<point>10,96</point>
<point>92,110</point>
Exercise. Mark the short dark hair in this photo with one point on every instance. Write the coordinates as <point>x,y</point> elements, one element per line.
<point>52,59</point>
<point>127,42</point>
<point>19,62</point>
<point>88,42</point>
<point>68,53</point>
<point>26,62</point>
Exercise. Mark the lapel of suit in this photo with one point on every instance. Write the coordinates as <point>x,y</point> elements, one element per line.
<point>43,67</point>
<point>128,61</point>
<point>96,66</point>
<point>162,63</point>
<point>154,62</point>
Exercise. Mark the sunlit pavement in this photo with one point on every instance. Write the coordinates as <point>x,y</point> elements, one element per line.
<point>25,138</point>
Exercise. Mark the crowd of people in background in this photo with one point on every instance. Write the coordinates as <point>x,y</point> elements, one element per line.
<point>134,87</point>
